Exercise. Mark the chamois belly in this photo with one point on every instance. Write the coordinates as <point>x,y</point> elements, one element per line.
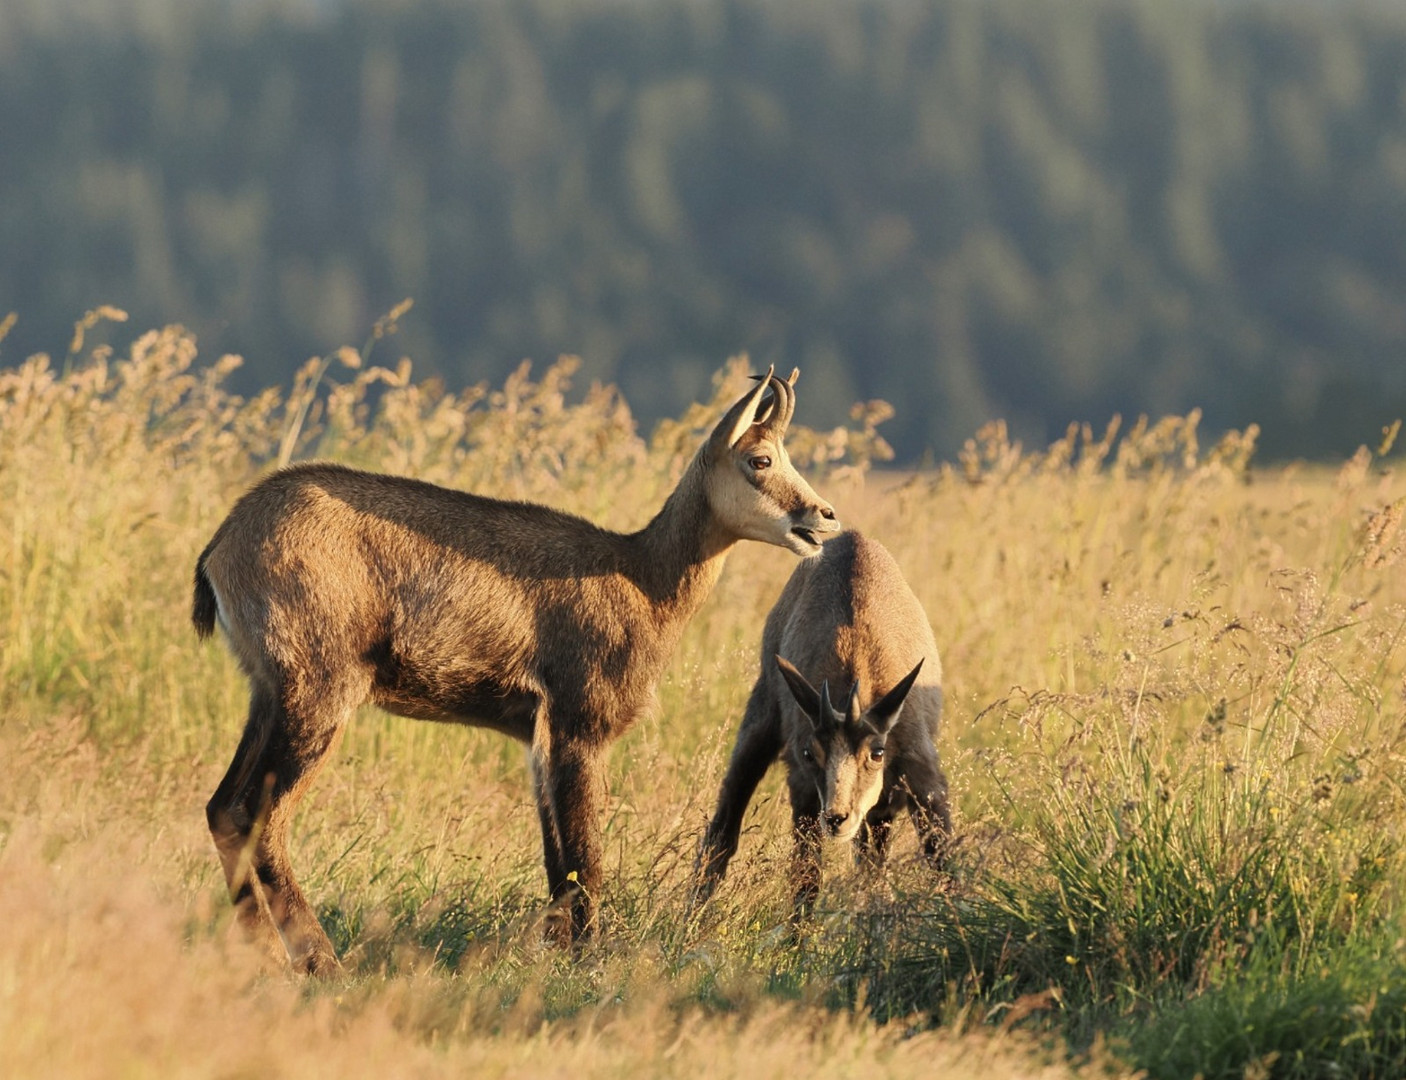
<point>512,714</point>
<point>451,690</point>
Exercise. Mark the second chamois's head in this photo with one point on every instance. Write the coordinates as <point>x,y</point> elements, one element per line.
<point>752,486</point>
<point>842,754</point>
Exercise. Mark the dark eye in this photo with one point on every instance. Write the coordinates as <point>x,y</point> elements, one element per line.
<point>806,753</point>
<point>760,462</point>
<point>877,754</point>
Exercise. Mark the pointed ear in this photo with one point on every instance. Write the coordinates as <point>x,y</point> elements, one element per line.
<point>885,714</point>
<point>802,691</point>
<point>740,417</point>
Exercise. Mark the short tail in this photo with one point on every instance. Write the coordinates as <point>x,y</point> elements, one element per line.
<point>204,606</point>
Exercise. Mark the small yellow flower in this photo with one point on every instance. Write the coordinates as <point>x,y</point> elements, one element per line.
<point>1071,961</point>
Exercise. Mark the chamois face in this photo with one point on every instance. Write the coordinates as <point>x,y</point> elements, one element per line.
<point>752,487</point>
<point>844,762</point>
<point>842,755</point>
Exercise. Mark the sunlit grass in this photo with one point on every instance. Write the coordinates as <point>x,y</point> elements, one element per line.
<point>1174,735</point>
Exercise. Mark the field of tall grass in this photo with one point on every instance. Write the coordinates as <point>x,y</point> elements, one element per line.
<point>1176,738</point>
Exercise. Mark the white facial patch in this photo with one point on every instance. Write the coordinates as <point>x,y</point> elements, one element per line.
<point>850,790</point>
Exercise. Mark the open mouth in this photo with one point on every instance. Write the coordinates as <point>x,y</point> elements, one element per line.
<point>807,535</point>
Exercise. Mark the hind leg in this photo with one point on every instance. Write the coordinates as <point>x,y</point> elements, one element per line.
<point>237,814</point>
<point>558,926</point>
<point>286,740</point>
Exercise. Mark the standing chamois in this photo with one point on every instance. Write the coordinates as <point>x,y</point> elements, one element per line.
<point>846,619</point>
<point>336,587</point>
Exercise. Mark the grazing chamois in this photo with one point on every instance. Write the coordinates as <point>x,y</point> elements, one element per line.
<point>336,587</point>
<point>846,619</point>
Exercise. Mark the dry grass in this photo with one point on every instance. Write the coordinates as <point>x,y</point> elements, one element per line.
<point>102,974</point>
<point>1161,668</point>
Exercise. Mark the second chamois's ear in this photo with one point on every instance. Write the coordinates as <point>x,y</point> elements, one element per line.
<point>740,417</point>
<point>885,714</point>
<point>805,694</point>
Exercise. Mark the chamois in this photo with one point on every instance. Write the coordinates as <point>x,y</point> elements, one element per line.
<point>845,619</point>
<point>336,587</point>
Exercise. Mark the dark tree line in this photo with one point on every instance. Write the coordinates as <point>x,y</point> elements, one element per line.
<point>973,208</point>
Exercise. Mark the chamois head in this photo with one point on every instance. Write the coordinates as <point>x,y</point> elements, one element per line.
<point>752,487</point>
<point>842,754</point>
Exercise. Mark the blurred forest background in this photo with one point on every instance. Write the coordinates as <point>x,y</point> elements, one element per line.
<point>1043,211</point>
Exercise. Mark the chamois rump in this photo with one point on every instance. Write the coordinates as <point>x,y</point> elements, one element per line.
<point>336,587</point>
<point>845,619</point>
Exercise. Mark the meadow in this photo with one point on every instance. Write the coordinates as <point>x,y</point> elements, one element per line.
<point>1175,728</point>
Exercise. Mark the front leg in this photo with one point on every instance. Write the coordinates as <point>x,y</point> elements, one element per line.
<point>576,787</point>
<point>872,843</point>
<point>932,820</point>
<point>805,853</point>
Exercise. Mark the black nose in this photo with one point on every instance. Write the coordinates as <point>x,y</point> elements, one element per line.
<point>827,513</point>
<point>834,821</point>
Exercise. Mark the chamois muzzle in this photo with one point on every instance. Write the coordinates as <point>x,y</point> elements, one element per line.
<point>811,524</point>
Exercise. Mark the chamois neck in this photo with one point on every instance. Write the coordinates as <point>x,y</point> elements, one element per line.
<point>683,548</point>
